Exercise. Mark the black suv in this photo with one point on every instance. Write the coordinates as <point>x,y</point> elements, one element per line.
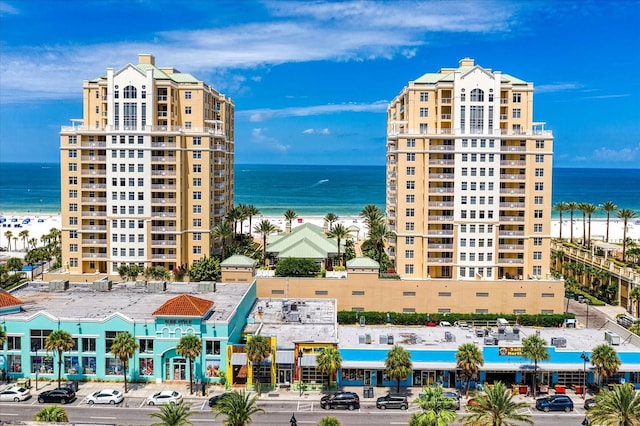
<point>59,395</point>
<point>392,401</point>
<point>347,400</point>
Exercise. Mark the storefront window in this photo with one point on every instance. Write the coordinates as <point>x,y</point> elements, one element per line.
<point>113,367</point>
<point>353,374</point>
<point>146,366</point>
<point>213,367</point>
<point>212,347</point>
<point>42,364</point>
<point>71,364</point>
<point>89,364</point>
<point>15,363</point>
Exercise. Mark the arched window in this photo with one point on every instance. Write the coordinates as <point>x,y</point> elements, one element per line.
<point>477,95</point>
<point>130,92</point>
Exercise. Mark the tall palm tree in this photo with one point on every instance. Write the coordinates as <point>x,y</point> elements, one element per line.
<point>620,406</point>
<point>436,408</point>
<point>583,207</point>
<point>264,228</point>
<point>339,232</point>
<point>251,210</point>
<point>33,242</point>
<point>378,236</point>
<point>330,219</point>
<point>55,235</point>
<point>190,347</point>
<point>371,213</point>
<point>634,295</point>
<point>535,348</point>
<point>24,234</point>
<point>124,346</point>
<point>8,235</point>
<point>52,414</point>
<point>561,207</point>
<point>243,214</point>
<point>329,362</point>
<point>233,216</point>
<point>398,364</point>
<point>258,349</point>
<point>289,215</point>
<point>173,415</point>
<point>238,407</point>
<point>59,341</point>
<point>469,359</point>
<point>497,408</point>
<point>625,215</point>
<point>608,207</point>
<point>222,232</point>
<point>573,206</point>
<point>3,336</point>
<point>590,209</point>
<point>606,361</point>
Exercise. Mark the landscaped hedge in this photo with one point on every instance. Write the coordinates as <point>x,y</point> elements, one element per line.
<point>395,318</point>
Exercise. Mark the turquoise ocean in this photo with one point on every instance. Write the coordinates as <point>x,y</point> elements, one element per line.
<point>313,190</point>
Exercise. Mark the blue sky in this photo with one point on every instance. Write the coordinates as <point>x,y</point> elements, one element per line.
<point>311,80</point>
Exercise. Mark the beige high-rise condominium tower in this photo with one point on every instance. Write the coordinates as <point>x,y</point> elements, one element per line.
<point>468,178</point>
<point>147,172</point>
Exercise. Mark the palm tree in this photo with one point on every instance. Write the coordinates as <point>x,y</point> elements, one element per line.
<point>620,406</point>
<point>583,208</point>
<point>190,347</point>
<point>329,362</point>
<point>437,409</point>
<point>534,348</point>
<point>238,407</point>
<point>634,295</point>
<point>398,364</point>
<point>258,349</point>
<point>330,219</point>
<point>289,215</point>
<point>8,235</point>
<point>222,232</point>
<point>561,207</point>
<point>264,228</point>
<point>329,421</point>
<point>124,346</point>
<point>173,415</point>
<point>24,234</point>
<point>233,216</point>
<point>52,414</point>
<point>590,209</point>
<point>469,359</point>
<point>371,213</point>
<point>59,341</point>
<point>625,215</point>
<point>608,207</point>
<point>339,232</point>
<point>251,210</point>
<point>573,206</point>
<point>497,408</point>
<point>606,361</point>
<point>377,238</point>
<point>33,242</point>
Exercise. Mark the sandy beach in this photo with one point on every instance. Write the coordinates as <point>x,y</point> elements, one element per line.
<point>41,224</point>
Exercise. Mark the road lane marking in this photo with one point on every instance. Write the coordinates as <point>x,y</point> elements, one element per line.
<point>103,417</point>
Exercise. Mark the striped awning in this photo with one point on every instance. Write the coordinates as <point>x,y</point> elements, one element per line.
<point>239,358</point>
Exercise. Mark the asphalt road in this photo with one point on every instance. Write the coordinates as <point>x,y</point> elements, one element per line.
<point>596,319</point>
<point>135,412</point>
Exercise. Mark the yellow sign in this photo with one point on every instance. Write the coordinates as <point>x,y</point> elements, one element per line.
<point>510,351</point>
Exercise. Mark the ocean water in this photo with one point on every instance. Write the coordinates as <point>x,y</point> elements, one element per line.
<point>314,190</point>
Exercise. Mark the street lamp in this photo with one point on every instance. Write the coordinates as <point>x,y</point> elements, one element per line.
<point>293,421</point>
<point>585,359</point>
<point>35,348</point>
<point>300,355</point>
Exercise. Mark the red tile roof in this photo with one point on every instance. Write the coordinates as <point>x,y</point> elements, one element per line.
<point>7,300</point>
<point>184,305</point>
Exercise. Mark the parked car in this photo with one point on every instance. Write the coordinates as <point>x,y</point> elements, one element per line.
<point>60,395</point>
<point>348,400</point>
<point>105,396</point>
<point>217,398</point>
<point>554,403</point>
<point>391,400</point>
<point>589,403</point>
<point>455,396</point>
<point>14,393</point>
<point>165,397</point>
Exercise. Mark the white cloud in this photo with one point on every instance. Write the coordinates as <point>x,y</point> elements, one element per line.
<point>257,115</point>
<point>7,9</point>
<point>259,136</point>
<point>624,154</point>
<point>324,131</point>
<point>557,87</point>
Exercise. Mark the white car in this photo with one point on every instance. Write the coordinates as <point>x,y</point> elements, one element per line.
<point>105,396</point>
<point>165,397</point>
<point>14,393</point>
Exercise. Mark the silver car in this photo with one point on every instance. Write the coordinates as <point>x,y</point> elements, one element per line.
<point>105,396</point>
<point>165,397</point>
<point>15,394</point>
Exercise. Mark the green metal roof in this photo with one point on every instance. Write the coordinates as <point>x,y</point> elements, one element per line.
<point>313,236</point>
<point>239,260</point>
<point>304,249</point>
<point>362,262</point>
<point>434,77</point>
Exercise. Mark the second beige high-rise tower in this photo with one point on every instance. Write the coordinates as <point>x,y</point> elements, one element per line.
<point>468,178</point>
<point>147,172</point>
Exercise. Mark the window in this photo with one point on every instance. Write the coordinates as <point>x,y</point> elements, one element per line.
<point>538,199</point>
<point>146,346</point>
<point>146,366</point>
<point>482,294</point>
<point>411,143</point>
<point>539,158</point>
<point>424,97</point>
<point>539,172</point>
<point>73,153</point>
<point>537,241</point>
<point>197,181</point>
<point>537,255</point>
<point>410,198</point>
<point>197,155</point>
<point>197,208</point>
<point>410,212</point>
<point>73,193</point>
<point>537,228</point>
<point>539,186</point>
<point>477,95</point>
<point>516,98</point>
<point>411,156</point>
<point>409,226</point>
<point>187,124</point>
<point>187,94</point>
<point>516,113</point>
<point>197,140</point>
<point>38,338</point>
<point>539,144</point>
<point>409,241</point>
<point>14,343</point>
<point>411,184</point>
<point>408,269</point>
<point>411,171</point>
<point>197,195</point>
<point>197,168</point>
<point>109,337</point>
<point>537,270</point>
<point>424,112</point>
<point>408,254</point>
<point>197,249</point>
<point>537,214</point>
<point>187,110</point>
<point>212,347</point>
<point>197,223</point>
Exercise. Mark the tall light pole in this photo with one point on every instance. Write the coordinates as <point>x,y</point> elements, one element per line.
<point>585,359</point>
<point>35,348</point>
<point>300,355</point>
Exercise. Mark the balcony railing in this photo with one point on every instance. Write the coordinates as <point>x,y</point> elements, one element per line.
<point>511,219</point>
<point>509,148</point>
<point>441,176</point>
<point>440,218</point>
<point>512,205</point>
<point>161,186</point>
<point>441,162</point>
<point>445,100</point>
<point>94,255</point>
<point>94,242</point>
<point>440,246</point>
<point>440,204</point>
<point>163,159</point>
<point>93,228</point>
<point>163,214</point>
<point>513,163</point>
<point>163,243</point>
<point>94,213</point>
<point>439,260</point>
<point>93,186</point>
<point>163,172</point>
<point>441,190</point>
<point>162,98</point>
<point>94,199</point>
<point>513,176</point>
<point>440,232</point>
<point>511,247</point>
<point>512,191</point>
<point>505,233</point>
<point>164,256</point>
<point>94,144</point>
<point>163,144</point>
<point>163,229</point>
<point>394,132</point>
<point>163,201</point>
<point>94,158</point>
<point>502,261</point>
<point>435,147</point>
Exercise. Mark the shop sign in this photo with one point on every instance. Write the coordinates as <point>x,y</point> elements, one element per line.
<point>510,351</point>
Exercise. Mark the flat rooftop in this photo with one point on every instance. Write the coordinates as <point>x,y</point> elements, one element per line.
<point>81,302</point>
<point>426,338</point>
<point>311,320</point>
